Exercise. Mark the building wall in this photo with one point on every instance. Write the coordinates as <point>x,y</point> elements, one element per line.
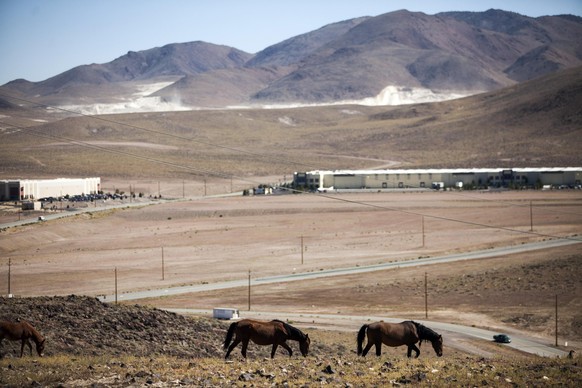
<point>9,190</point>
<point>391,179</point>
<point>42,188</point>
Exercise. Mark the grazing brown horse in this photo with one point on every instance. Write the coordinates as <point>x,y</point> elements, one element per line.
<point>265,333</point>
<point>396,334</point>
<point>22,331</point>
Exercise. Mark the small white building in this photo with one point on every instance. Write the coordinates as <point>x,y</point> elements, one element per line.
<point>34,189</point>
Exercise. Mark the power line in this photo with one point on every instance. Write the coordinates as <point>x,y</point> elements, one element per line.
<point>508,203</point>
<point>477,224</point>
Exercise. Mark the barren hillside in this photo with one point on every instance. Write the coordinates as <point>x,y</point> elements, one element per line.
<point>533,124</point>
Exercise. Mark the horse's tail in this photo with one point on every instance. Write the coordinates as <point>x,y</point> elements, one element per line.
<point>229,334</point>
<point>361,336</point>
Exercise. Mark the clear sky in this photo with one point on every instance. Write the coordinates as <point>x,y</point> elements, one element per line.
<point>42,38</point>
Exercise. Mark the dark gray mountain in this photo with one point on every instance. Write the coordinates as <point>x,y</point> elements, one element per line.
<point>463,52</point>
<point>468,52</point>
<point>112,81</point>
<point>274,62</point>
<point>293,51</point>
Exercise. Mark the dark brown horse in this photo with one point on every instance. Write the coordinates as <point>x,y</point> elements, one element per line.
<point>396,334</point>
<point>22,331</point>
<point>265,333</point>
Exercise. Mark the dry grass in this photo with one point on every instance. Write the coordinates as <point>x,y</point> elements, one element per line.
<point>334,370</point>
<point>89,353</point>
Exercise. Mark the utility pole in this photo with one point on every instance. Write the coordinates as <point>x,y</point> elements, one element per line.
<point>530,217</point>
<point>163,277</point>
<point>302,249</point>
<point>556,320</point>
<point>249,290</point>
<point>425,295</point>
<point>422,231</point>
<point>115,285</point>
<point>9,265</point>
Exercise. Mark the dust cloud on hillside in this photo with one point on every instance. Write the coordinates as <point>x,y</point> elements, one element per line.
<point>143,101</point>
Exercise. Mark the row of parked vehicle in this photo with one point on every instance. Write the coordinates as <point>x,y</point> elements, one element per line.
<point>83,198</point>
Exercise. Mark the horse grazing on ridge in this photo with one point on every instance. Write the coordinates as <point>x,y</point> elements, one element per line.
<point>396,334</point>
<point>265,333</point>
<point>22,331</point>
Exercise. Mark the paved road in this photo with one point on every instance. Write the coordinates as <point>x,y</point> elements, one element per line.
<point>518,341</point>
<point>451,332</point>
<point>341,271</point>
<point>48,216</point>
<point>106,206</point>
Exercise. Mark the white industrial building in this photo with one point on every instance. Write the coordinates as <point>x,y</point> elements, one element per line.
<point>438,178</point>
<point>35,189</point>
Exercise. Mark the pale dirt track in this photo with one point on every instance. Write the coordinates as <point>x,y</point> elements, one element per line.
<point>209,240</point>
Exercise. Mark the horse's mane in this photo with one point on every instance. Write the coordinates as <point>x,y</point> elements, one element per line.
<point>36,336</point>
<point>425,333</point>
<point>294,333</point>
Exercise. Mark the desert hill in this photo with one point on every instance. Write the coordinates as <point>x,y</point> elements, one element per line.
<point>447,54</point>
<point>83,325</point>
<point>531,124</point>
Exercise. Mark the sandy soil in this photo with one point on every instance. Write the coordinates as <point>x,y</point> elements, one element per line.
<point>214,239</point>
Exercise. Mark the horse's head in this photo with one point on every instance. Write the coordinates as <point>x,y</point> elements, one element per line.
<point>437,345</point>
<point>304,345</point>
<point>40,347</point>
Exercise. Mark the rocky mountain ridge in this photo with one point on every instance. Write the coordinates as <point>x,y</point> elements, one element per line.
<point>452,53</point>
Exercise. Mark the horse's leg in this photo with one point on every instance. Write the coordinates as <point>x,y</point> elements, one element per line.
<point>29,346</point>
<point>417,350</point>
<point>22,343</point>
<point>367,348</point>
<point>274,349</point>
<point>378,348</point>
<point>411,348</point>
<point>284,344</point>
<point>244,348</point>
<point>232,346</point>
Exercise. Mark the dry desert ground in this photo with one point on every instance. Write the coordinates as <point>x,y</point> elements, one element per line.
<point>205,239</point>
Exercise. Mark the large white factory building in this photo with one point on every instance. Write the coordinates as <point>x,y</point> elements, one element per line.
<point>439,178</point>
<point>35,189</point>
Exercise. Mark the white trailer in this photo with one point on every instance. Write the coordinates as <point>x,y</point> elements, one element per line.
<point>225,313</point>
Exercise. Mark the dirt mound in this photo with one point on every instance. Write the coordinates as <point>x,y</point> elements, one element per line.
<point>84,325</point>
